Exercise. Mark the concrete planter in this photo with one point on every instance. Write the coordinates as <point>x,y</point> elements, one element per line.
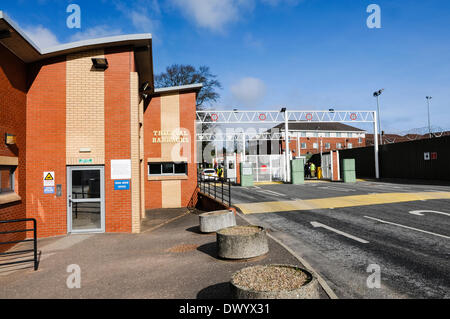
<point>308,290</point>
<point>214,221</point>
<point>242,242</point>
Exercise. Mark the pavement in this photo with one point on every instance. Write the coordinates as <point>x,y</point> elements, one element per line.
<point>169,259</point>
<point>345,231</point>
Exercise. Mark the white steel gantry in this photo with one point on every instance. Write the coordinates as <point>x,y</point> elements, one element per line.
<point>286,117</point>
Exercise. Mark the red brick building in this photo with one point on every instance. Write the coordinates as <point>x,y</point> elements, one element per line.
<point>312,138</point>
<point>82,133</point>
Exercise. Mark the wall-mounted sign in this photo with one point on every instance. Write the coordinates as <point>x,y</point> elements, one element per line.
<point>175,136</point>
<point>49,179</point>
<point>426,156</point>
<point>10,139</point>
<point>49,190</point>
<point>121,185</point>
<point>85,161</point>
<point>120,169</point>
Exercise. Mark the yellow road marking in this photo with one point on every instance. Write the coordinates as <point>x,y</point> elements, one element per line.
<point>267,183</point>
<point>338,202</point>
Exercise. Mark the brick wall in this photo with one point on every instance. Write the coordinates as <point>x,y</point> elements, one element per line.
<point>332,140</point>
<point>13,88</point>
<point>187,121</point>
<point>117,135</point>
<point>46,140</point>
<point>85,108</point>
<point>152,121</point>
<point>174,191</point>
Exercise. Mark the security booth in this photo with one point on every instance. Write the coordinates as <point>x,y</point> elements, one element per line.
<point>230,166</point>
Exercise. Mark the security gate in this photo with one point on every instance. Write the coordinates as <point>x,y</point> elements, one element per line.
<point>327,166</point>
<point>267,168</point>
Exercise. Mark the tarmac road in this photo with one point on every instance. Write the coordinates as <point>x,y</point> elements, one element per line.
<point>342,229</point>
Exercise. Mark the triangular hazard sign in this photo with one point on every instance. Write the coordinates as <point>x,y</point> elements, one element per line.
<point>49,177</point>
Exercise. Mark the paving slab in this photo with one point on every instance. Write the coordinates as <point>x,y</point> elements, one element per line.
<point>172,261</point>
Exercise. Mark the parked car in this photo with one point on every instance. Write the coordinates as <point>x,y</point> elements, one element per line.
<point>209,174</point>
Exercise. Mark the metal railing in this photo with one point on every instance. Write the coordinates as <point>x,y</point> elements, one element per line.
<point>217,188</point>
<point>34,240</point>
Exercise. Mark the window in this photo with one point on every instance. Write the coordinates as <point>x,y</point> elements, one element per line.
<point>349,145</point>
<point>360,140</point>
<point>302,134</point>
<point>167,169</point>
<point>327,146</point>
<point>338,146</point>
<point>303,146</point>
<point>7,179</point>
<point>315,145</point>
<point>338,134</point>
<point>327,134</point>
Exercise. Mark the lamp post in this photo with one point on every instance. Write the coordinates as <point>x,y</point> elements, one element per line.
<point>429,122</point>
<point>377,94</point>
<point>286,142</point>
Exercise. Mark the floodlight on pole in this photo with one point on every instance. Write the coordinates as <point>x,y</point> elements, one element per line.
<point>377,95</point>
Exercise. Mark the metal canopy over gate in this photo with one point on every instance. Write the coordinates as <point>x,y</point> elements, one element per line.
<point>277,117</point>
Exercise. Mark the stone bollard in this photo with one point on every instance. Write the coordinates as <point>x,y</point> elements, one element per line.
<point>242,242</point>
<point>274,282</point>
<point>214,221</point>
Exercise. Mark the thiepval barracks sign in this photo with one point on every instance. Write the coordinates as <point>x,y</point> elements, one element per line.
<point>175,136</point>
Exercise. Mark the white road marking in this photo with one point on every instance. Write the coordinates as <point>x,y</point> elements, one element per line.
<point>407,227</point>
<point>316,225</point>
<point>420,212</point>
<point>270,192</point>
<point>338,189</point>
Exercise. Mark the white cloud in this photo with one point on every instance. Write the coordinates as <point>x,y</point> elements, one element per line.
<point>43,37</point>
<point>141,21</point>
<point>249,91</point>
<point>95,32</point>
<point>142,13</point>
<point>213,14</point>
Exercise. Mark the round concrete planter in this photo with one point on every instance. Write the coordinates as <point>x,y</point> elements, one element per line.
<point>309,290</point>
<point>214,221</point>
<point>242,242</point>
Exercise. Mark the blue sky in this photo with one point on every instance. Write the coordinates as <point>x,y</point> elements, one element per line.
<point>300,54</point>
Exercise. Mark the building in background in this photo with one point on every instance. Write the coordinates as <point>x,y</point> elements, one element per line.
<point>312,138</point>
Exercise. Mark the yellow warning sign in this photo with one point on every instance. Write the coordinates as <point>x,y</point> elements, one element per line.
<point>49,179</point>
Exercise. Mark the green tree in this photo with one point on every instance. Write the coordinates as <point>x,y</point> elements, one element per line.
<point>180,74</point>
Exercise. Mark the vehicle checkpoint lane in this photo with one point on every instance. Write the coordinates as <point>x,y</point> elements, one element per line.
<point>413,264</point>
<point>414,261</point>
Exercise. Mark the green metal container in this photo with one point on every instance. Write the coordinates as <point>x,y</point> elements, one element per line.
<point>246,171</point>
<point>298,171</point>
<point>348,164</point>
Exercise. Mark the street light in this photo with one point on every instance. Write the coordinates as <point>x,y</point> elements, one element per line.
<point>377,94</point>
<point>429,123</point>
